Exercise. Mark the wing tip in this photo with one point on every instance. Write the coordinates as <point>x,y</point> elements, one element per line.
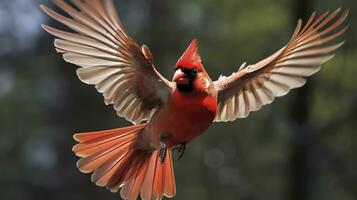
<point>338,10</point>
<point>327,58</point>
<point>79,74</point>
<point>242,66</point>
<point>44,26</point>
<point>45,9</point>
<point>47,28</point>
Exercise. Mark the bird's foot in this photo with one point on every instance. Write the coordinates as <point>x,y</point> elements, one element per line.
<point>163,148</point>
<point>162,152</point>
<point>180,150</point>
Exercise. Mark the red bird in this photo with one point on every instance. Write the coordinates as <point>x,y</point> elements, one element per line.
<point>167,115</point>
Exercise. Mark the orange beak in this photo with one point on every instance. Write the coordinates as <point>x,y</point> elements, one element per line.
<point>180,77</point>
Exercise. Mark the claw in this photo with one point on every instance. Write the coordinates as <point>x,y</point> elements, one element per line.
<point>181,150</point>
<point>162,152</point>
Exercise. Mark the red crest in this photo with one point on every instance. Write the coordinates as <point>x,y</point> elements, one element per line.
<point>190,58</point>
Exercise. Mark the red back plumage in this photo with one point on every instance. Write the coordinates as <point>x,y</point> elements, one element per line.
<point>190,58</point>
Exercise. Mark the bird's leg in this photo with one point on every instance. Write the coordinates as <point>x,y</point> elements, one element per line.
<point>180,148</point>
<point>163,148</point>
<point>162,152</point>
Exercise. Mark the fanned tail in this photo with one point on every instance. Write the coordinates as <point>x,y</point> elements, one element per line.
<point>116,164</point>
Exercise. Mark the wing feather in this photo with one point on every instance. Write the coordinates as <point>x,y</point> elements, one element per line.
<point>256,85</point>
<point>109,58</point>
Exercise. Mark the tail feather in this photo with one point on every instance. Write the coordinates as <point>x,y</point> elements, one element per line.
<point>160,179</point>
<point>111,174</point>
<point>84,137</point>
<point>147,190</point>
<point>93,162</point>
<point>95,155</point>
<point>129,170</point>
<point>101,140</point>
<point>87,147</point>
<point>117,164</point>
<point>170,185</point>
<point>132,188</point>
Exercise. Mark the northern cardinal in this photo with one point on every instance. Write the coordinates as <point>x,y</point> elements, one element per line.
<point>166,115</point>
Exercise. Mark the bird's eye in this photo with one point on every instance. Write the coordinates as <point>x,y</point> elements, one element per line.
<point>194,71</point>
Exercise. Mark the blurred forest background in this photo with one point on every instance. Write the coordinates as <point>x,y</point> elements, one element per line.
<point>302,147</point>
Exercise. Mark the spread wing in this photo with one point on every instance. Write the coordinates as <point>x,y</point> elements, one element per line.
<point>110,59</point>
<point>256,85</point>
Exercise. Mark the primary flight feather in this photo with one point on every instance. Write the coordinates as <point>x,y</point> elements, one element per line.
<point>137,160</point>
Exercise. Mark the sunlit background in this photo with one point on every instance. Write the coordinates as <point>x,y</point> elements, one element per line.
<point>302,147</point>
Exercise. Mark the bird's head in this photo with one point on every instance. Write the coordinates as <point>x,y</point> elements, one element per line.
<point>188,67</point>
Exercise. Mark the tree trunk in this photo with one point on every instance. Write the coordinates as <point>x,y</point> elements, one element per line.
<point>300,169</point>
